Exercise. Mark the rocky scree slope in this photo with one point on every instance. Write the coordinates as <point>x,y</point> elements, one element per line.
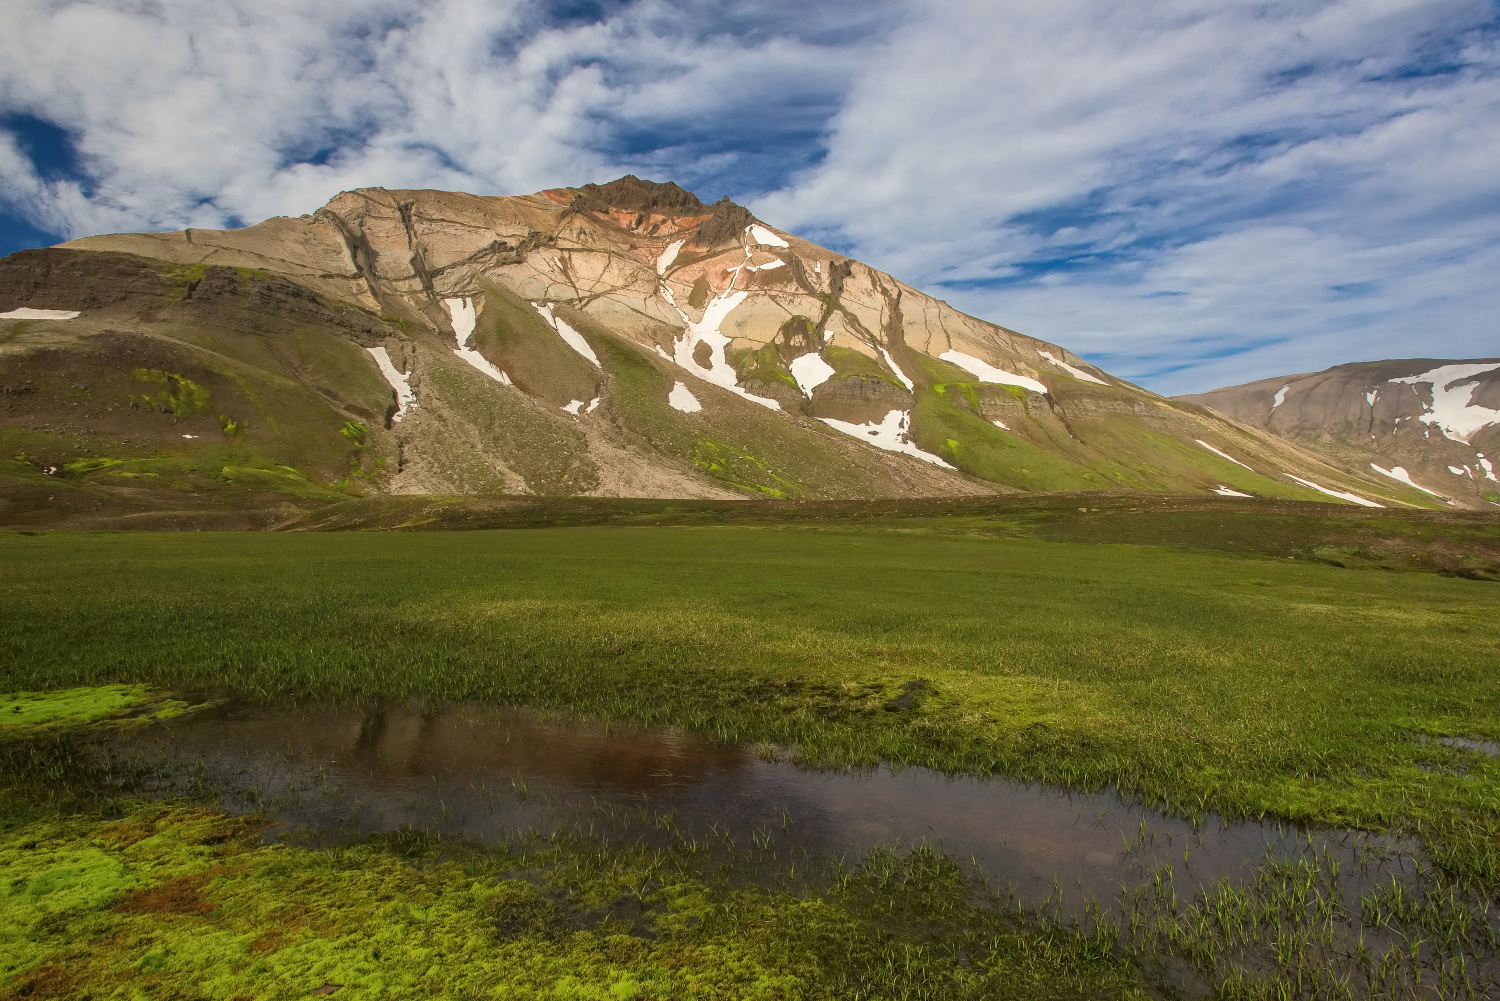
<point>1429,423</point>
<point>611,340</point>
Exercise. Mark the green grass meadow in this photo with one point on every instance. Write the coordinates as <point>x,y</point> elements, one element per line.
<point>1244,684</point>
<point>1248,684</point>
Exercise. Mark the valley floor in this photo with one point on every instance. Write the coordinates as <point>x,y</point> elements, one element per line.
<point>1328,669</point>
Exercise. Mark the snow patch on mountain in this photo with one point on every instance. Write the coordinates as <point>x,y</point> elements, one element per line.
<point>1220,454</point>
<point>574,407</point>
<point>1076,373</point>
<point>1452,389</point>
<point>1224,491</point>
<point>27,313</point>
<point>464,313</point>
<point>1400,475</point>
<point>682,398</point>
<point>1489,470</point>
<point>1461,472</point>
<point>399,381</point>
<point>1353,498</point>
<point>573,338</point>
<point>985,372</point>
<point>894,368</point>
<point>770,265</point>
<point>1370,397</point>
<point>706,331</point>
<point>810,371</point>
<point>1001,425</point>
<point>766,238</point>
<point>890,435</point>
<point>594,403</point>
<point>1280,397</point>
<point>665,259</point>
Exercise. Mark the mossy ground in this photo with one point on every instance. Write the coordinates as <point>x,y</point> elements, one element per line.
<point>185,902</point>
<point>69,706</point>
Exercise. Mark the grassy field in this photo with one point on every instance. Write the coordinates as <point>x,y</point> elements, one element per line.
<point>1244,684</point>
<point>1207,671</point>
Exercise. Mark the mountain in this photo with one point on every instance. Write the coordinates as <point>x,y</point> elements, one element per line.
<point>1430,423</point>
<point>623,339</point>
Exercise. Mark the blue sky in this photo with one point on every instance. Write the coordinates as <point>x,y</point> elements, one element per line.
<point>1189,194</point>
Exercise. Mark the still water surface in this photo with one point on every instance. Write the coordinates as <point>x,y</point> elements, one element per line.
<point>489,773</point>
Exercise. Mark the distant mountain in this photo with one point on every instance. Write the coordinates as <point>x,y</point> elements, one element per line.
<point>611,340</point>
<point>1431,423</point>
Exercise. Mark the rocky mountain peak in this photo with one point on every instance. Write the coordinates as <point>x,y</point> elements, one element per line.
<point>632,194</point>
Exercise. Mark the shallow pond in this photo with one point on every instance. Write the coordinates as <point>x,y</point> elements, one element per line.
<point>488,773</point>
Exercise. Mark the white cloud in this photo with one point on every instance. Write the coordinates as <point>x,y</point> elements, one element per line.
<point>188,113</point>
<point>1189,192</point>
<point>1183,179</point>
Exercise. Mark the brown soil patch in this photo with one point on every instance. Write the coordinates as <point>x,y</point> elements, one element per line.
<point>49,981</point>
<point>272,941</point>
<point>175,896</point>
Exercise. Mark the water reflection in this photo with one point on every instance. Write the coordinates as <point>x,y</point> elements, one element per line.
<point>488,773</point>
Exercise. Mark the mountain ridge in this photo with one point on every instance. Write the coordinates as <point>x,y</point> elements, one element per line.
<point>1430,422</point>
<point>623,339</point>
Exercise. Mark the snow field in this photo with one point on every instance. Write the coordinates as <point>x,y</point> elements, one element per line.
<point>27,313</point>
<point>889,435</point>
<point>682,398</point>
<point>572,337</point>
<point>766,238</point>
<point>1220,454</point>
<point>669,255</point>
<point>1352,498</point>
<point>577,405</point>
<point>1076,373</point>
<point>1452,388</point>
<point>399,381</point>
<point>985,372</point>
<point>1400,475</point>
<point>899,374</point>
<point>706,331</point>
<point>810,371</point>
<point>464,313</point>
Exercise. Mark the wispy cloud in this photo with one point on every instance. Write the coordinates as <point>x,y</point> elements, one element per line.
<point>1191,193</point>
<point>1188,192</point>
<point>185,113</point>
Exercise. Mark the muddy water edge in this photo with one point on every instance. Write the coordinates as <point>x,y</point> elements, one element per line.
<point>1208,903</point>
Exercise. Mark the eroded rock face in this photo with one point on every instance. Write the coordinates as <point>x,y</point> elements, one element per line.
<point>1432,422</point>
<point>584,310</point>
<point>859,398</point>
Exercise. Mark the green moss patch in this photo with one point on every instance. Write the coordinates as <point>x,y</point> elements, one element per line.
<point>74,706</point>
<point>189,903</point>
